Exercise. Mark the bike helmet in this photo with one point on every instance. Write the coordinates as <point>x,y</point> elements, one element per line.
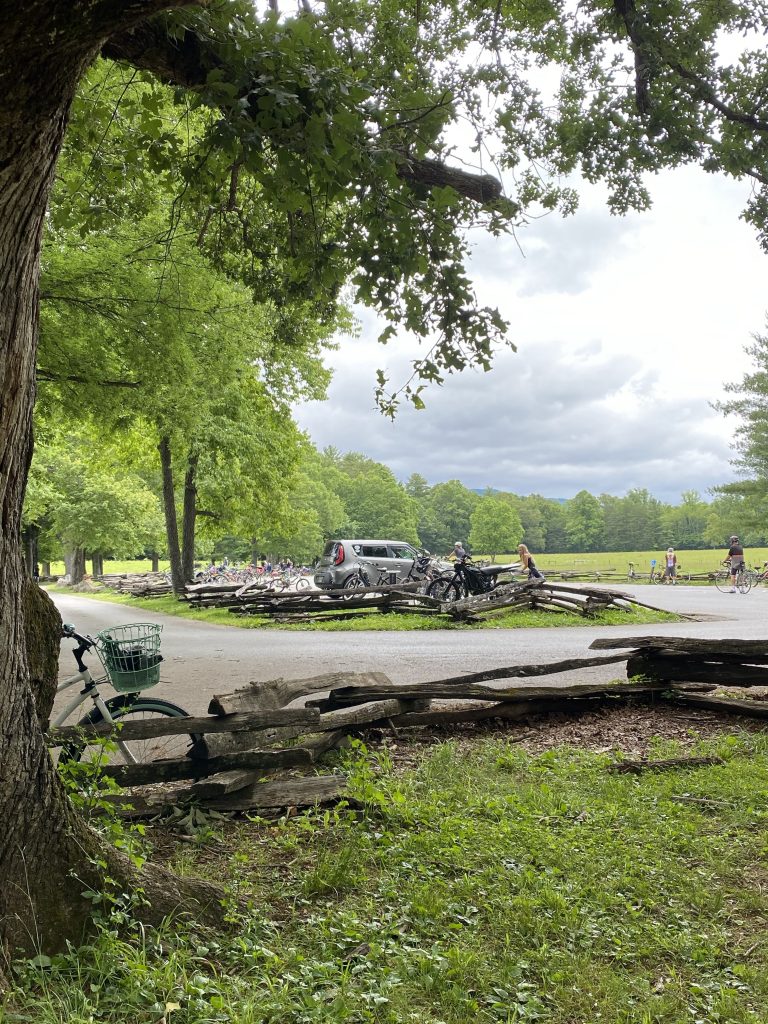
<point>733,539</point>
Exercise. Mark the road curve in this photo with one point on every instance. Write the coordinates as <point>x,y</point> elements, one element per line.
<point>202,659</point>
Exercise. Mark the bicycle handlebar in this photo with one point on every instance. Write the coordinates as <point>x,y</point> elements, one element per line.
<point>84,643</point>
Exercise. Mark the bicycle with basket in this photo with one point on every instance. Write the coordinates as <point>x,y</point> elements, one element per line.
<point>130,656</point>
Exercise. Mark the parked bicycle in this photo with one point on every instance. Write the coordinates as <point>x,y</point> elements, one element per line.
<point>421,570</point>
<point>289,579</point>
<point>131,660</point>
<point>466,580</point>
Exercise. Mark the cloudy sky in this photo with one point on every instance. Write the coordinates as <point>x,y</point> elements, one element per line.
<point>626,330</point>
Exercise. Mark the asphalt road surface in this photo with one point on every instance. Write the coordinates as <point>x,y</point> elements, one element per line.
<point>202,659</point>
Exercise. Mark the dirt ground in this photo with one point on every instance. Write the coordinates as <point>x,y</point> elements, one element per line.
<point>628,729</point>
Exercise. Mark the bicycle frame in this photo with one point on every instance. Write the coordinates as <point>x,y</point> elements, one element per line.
<point>90,689</point>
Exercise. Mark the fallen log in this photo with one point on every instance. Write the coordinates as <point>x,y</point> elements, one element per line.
<point>350,695</point>
<point>748,708</point>
<point>755,651</point>
<point>217,745</point>
<point>636,767</point>
<point>681,667</point>
<point>222,784</point>
<point>269,694</point>
<point>289,792</point>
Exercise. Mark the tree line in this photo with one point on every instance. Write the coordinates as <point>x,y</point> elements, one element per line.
<point>78,507</point>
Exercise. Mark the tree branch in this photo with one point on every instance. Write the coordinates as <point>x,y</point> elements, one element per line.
<point>187,62</point>
<point>49,375</point>
<point>648,50</point>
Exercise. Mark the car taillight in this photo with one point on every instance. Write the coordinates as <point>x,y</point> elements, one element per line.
<point>339,555</point>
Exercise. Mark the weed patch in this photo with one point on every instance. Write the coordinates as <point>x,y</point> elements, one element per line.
<point>472,882</point>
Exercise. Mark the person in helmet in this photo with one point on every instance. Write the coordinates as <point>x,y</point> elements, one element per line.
<point>735,559</point>
<point>458,551</point>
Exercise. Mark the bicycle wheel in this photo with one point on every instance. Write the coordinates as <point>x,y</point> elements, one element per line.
<point>448,589</point>
<point>302,583</point>
<point>744,582</point>
<point>722,580</point>
<point>129,707</point>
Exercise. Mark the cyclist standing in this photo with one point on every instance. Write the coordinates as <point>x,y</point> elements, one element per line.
<point>736,559</point>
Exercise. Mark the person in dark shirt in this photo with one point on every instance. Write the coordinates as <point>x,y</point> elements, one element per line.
<point>735,558</point>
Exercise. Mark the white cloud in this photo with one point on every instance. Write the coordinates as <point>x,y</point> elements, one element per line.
<point>626,330</point>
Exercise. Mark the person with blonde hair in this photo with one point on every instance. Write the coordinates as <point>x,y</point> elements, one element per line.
<point>527,563</point>
<point>670,566</point>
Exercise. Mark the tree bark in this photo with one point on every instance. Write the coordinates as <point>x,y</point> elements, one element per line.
<point>75,563</point>
<point>171,519</point>
<point>48,855</point>
<point>189,518</point>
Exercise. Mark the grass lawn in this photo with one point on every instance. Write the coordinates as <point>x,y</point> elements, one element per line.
<point>473,883</point>
<point>170,605</point>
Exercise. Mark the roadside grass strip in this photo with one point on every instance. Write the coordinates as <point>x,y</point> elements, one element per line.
<point>365,620</point>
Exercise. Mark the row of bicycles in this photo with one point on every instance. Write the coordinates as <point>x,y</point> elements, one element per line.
<point>277,579</point>
<point>463,579</point>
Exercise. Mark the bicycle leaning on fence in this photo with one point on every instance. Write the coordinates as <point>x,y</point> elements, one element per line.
<point>131,660</point>
<point>421,571</point>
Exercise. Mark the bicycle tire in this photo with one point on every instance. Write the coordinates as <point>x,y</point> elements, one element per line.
<point>722,580</point>
<point>302,583</point>
<point>446,590</point>
<point>124,706</point>
<point>744,582</point>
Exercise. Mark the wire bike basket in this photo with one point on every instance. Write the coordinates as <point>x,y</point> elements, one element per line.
<point>131,655</point>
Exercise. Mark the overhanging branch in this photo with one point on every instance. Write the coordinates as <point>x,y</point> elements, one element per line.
<point>73,378</point>
<point>187,62</point>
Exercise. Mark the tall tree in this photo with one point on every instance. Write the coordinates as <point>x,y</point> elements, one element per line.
<point>584,522</point>
<point>684,525</point>
<point>340,121</point>
<point>452,505</point>
<point>495,527</point>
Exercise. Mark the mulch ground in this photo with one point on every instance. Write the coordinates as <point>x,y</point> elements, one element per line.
<point>627,729</point>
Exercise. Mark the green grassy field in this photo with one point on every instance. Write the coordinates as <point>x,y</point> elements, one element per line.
<point>618,561</point>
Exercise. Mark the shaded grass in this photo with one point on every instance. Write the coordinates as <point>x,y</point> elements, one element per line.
<point>482,885</point>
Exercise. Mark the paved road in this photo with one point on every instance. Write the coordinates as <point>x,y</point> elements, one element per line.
<point>203,659</point>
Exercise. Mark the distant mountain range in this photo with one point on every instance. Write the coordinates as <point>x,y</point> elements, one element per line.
<point>495,490</point>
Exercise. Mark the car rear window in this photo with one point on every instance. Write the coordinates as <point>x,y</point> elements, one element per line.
<point>330,547</point>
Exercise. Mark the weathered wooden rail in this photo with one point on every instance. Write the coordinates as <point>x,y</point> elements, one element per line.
<point>258,731</point>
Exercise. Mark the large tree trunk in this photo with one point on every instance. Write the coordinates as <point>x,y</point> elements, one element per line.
<point>171,519</point>
<point>74,563</point>
<point>48,855</point>
<point>189,519</point>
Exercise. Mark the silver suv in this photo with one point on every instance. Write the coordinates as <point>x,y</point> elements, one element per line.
<point>341,558</point>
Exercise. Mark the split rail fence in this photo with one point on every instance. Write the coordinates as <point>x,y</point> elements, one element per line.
<point>259,747</point>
